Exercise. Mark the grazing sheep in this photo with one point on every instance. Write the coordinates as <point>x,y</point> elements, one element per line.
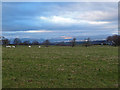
<point>39,46</point>
<point>29,46</point>
<point>13,46</point>
<point>8,46</point>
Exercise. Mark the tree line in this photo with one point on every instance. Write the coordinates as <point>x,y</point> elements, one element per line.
<point>112,40</point>
<point>17,41</point>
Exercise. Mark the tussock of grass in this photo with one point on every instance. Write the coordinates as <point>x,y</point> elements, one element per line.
<point>59,66</point>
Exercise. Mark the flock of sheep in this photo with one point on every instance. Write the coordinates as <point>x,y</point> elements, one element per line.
<point>15,46</point>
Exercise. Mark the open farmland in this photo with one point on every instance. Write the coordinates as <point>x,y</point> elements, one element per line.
<point>60,67</point>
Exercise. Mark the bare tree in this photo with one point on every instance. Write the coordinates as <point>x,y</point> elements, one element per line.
<point>87,42</point>
<point>17,41</point>
<point>46,43</point>
<point>73,42</point>
<point>109,38</point>
<point>5,41</point>
<point>35,43</point>
<point>115,40</point>
<point>26,42</point>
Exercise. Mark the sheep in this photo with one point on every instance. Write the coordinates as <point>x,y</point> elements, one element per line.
<point>13,46</point>
<point>39,46</point>
<point>29,46</point>
<point>8,46</point>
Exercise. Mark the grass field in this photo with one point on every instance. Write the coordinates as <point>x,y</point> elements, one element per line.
<point>60,67</point>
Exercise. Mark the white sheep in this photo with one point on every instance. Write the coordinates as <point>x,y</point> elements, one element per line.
<point>13,46</point>
<point>8,46</point>
<point>29,46</point>
<point>39,46</point>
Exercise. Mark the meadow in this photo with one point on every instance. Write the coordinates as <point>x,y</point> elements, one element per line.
<point>60,67</point>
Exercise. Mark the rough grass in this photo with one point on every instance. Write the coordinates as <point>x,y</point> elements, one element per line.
<point>60,67</point>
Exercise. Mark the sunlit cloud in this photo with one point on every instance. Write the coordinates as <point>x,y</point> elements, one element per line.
<point>59,19</point>
<point>63,20</point>
<point>29,31</point>
<point>68,38</point>
<point>98,22</point>
<point>37,31</point>
<point>65,37</point>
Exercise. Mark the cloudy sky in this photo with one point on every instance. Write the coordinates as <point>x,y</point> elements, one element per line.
<point>65,20</point>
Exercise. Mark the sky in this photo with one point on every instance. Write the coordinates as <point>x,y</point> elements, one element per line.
<point>59,20</point>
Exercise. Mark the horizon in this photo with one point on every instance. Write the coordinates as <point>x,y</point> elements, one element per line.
<point>54,40</point>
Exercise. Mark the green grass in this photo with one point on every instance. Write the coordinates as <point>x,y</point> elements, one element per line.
<point>60,67</point>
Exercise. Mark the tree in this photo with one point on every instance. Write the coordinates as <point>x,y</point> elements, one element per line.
<point>73,42</point>
<point>115,40</point>
<point>109,38</point>
<point>46,43</point>
<point>17,41</point>
<point>5,41</point>
<point>26,43</point>
<point>35,43</point>
<point>87,42</point>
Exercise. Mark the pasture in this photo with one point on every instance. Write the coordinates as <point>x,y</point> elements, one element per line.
<point>60,67</point>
